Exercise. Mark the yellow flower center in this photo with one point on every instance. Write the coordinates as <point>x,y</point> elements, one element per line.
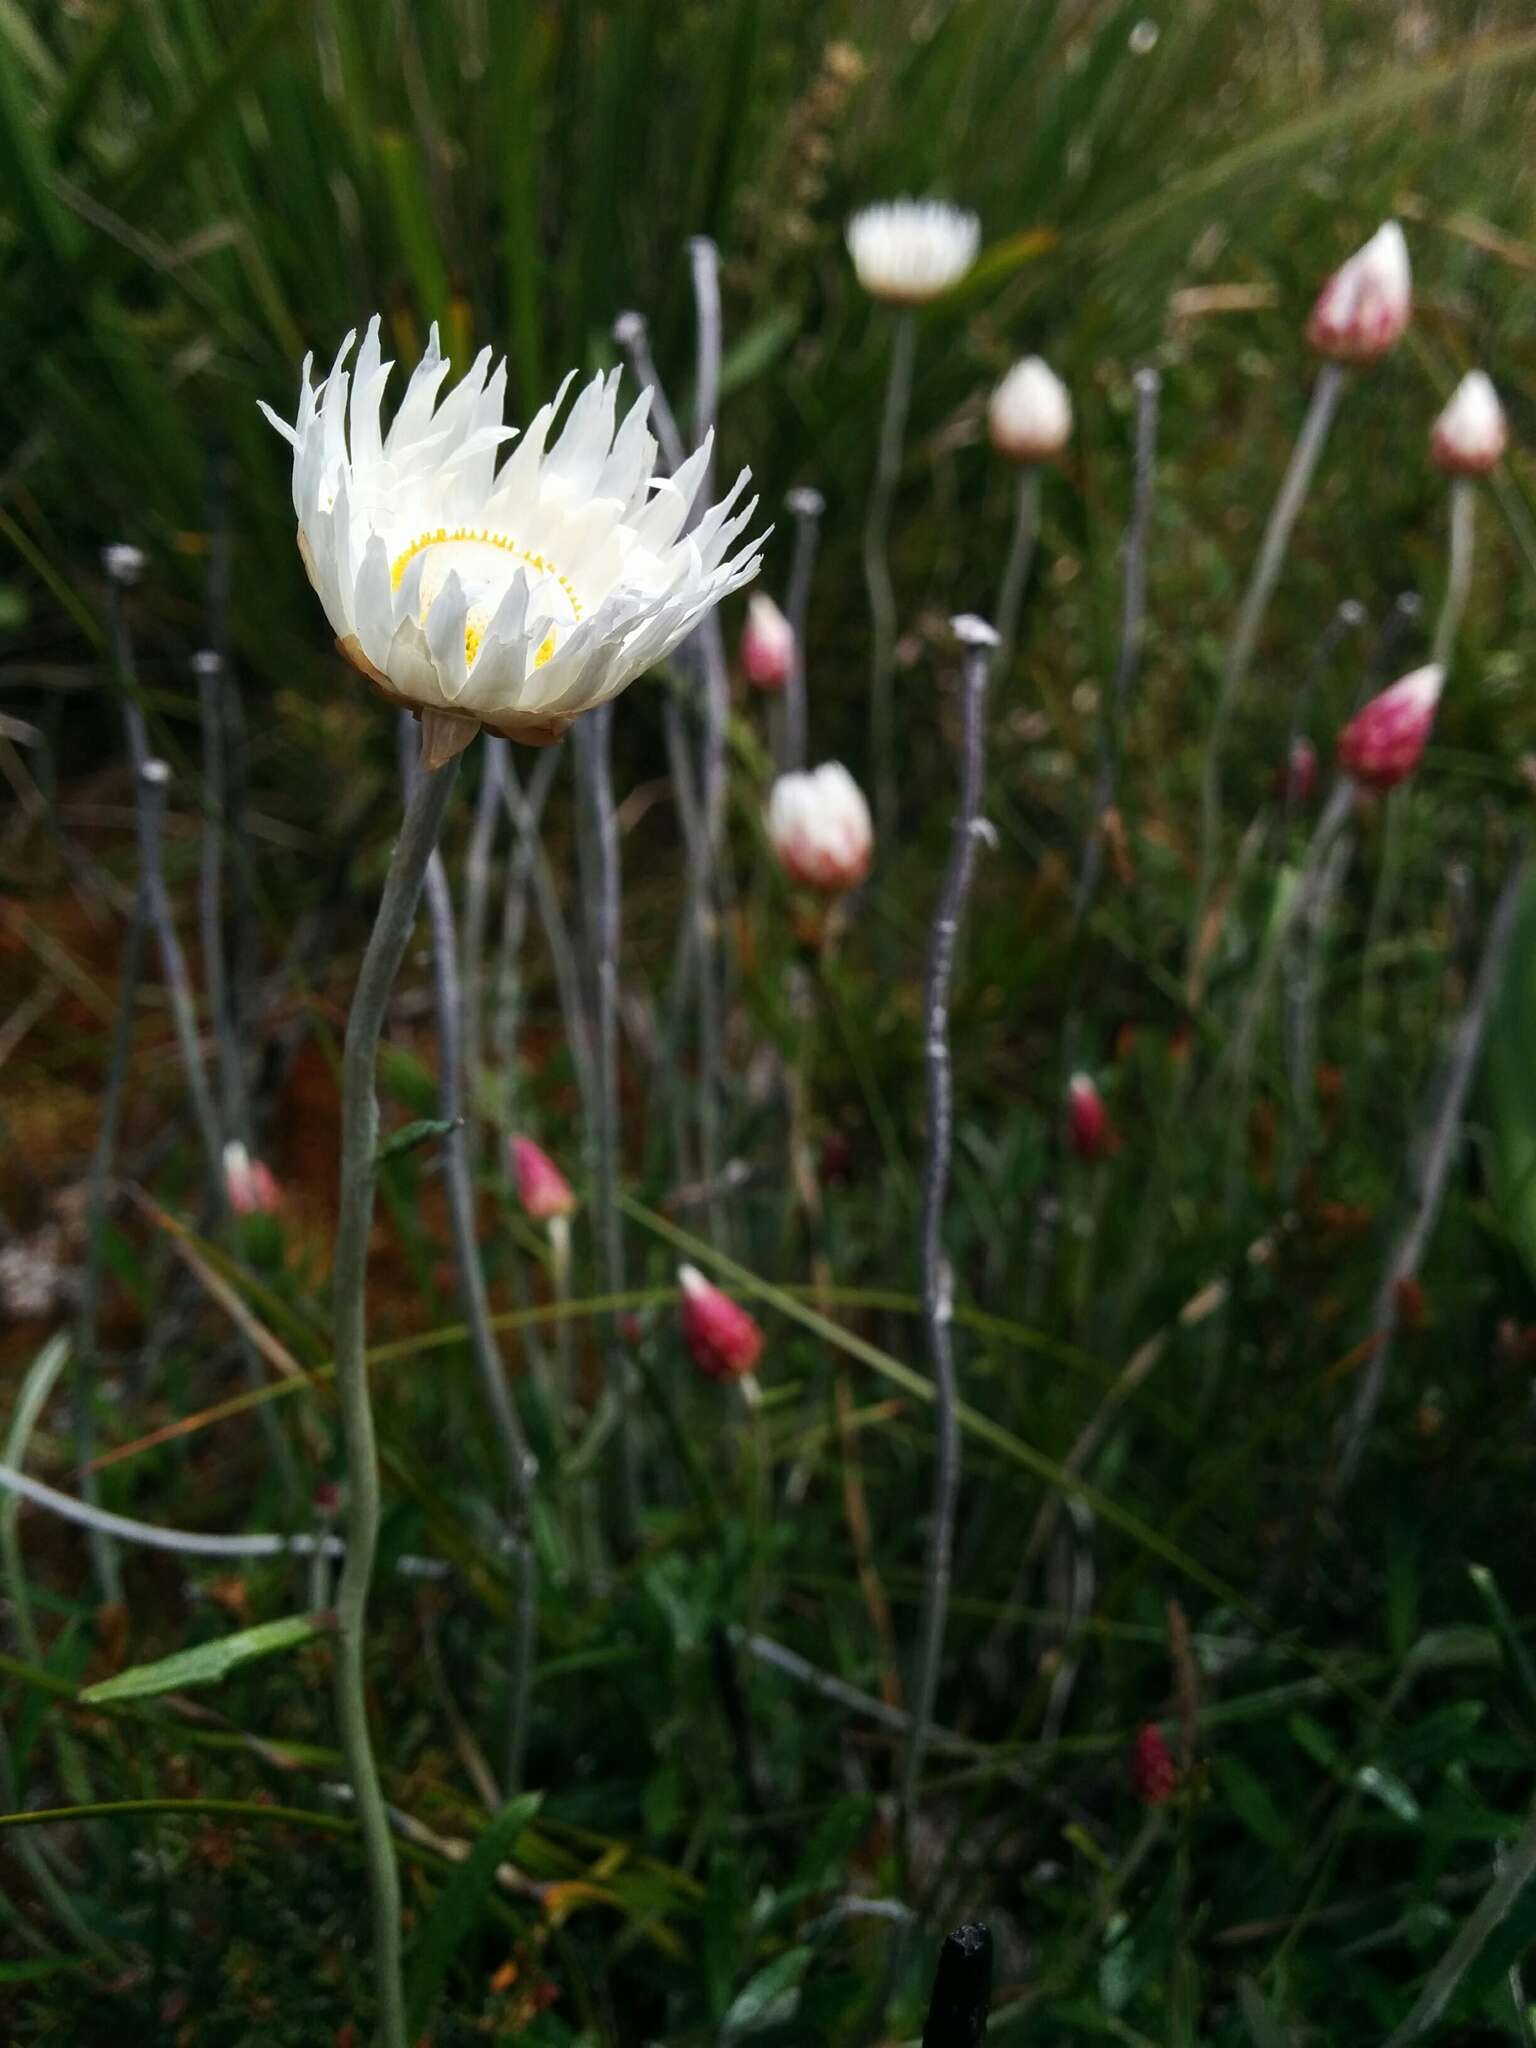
<point>484,559</point>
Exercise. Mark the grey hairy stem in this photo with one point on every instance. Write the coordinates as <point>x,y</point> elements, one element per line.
<point>525,809</point>
<point>1133,620</point>
<point>359,1146</point>
<point>104,1563</point>
<point>1458,580</point>
<point>1017,563</point>
<point>877,574</point>
<point>517,1465</point>
<point>603,888</point>
<point>1442,1129</point>
<point>1245,634</point>
<point>806,506</point>
<point>935,1278</point>
<point>477,884</point>
<point>562,952</point>
<point>208,668</point>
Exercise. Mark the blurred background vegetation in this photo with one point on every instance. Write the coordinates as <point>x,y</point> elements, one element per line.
<point>193,193</point>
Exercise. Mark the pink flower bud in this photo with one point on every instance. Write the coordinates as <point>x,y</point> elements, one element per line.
<point>724,1342</point>
<point>1089,1131</point>
<point>542,1188</point>
<point>249,1184</point>
<point>820,828</point>
<point>1029,415</point>
<point>1383,743</point>
<point>1470,435</point>
<point>1296,777</point>
<point>1363,308</point>
<point>1154,1774</point>
<point>767,644</point>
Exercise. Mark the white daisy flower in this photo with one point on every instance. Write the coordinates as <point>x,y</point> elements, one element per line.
<point>514,597</point>
<point>910,250</point>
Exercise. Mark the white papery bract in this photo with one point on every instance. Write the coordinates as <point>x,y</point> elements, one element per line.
<point>1364,308</point>
<point>515,596</point>
<point>820,828</point>
<point>1029,415</point>
<point>1470,435</point>
<point>908,251</point>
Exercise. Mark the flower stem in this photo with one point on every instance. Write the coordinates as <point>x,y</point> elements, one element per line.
<point>1458,580</point>
<point>1133,618</point>
<point>594,743</point>
<point>1245,636</point>
<point>935,1276</point>
<point>877,575</point>
<point>359,1144</point>
<point>806,506</point>
<point>516,1462</point>
<point>477,880</point>
<point>1021,554</point>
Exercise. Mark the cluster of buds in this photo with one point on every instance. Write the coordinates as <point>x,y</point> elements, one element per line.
<point>767,644</point>
<point>723,1341</point>
<point>1363,310</point>
<point>542,1188</point>
<point>1090,1132</point>
<point>1385,740</point>
<point>820,829</point>
<point>1029,415</point>
<point>250,1185</point>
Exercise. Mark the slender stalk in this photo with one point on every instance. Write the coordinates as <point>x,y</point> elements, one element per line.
<point>525,808</point>
<point>594,743</point>
<point>153,781</point>
<point>805,507</point>
<point>1447,1100</point>
<point>1458,580</point>
<point>1017,564</point>
<point>359,1144</point>
<point>153,1535</point>
<point>517,1464</point>
<point>1350,614</point>
<point>477,879</point>
<point>1245,634</point>
<point>1133,619</point>
<point>980,643</point>
<point>104,1562</point>
<point>208,668</point>
<point>562,953</point>
<point>877,575</point>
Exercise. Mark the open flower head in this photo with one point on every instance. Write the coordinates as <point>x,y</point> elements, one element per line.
<point>908,251</point>
<point>1470,435</point>
<point>1385,740</point>
<point>1029,415</point>
<point>820,828</point>
<point>1363,309</point>
<point>512,593</point>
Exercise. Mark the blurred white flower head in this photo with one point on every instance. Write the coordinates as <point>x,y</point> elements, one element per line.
<point>1029,415</point>
<point>514,597</point>
<point>1470,435</point>
<point>820,827</point>
<point>908,251</point>
<point>767,644</point>
<point>1362,310</point>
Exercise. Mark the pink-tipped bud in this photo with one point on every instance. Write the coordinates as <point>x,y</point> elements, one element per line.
<point>1471,434</point>
<point>1029,415</point>
<point>724,1342</point>
<point>1384,742</point>
<point>250,1184</point>
<point>1362,310</point>
<point>1154,1774</point>
<point>542,1188</point>
<point>1296,777</point>
<point>767,644</point>
<point>1089,1131</point>
<point>821,829</point>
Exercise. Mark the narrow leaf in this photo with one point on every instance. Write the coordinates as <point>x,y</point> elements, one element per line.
<point>457,1912</point>
<point>206,1664</point>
